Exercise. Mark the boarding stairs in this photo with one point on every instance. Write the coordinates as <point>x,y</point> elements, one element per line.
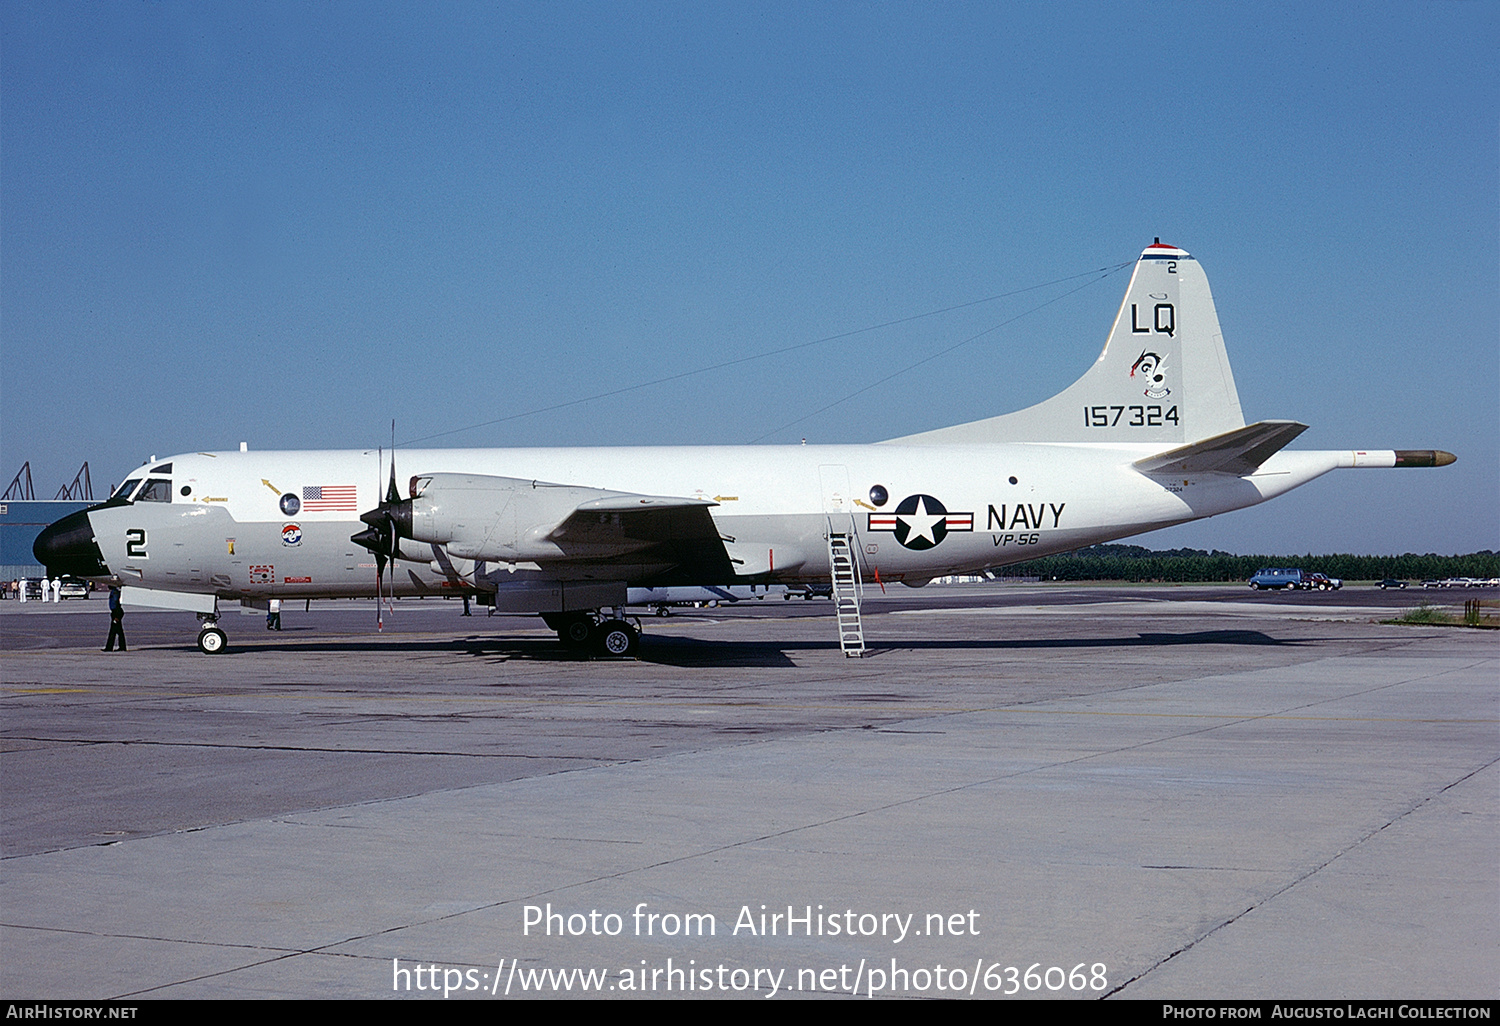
<point>843,566</point>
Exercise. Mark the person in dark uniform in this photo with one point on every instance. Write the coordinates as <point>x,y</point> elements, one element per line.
<point>116,621</point>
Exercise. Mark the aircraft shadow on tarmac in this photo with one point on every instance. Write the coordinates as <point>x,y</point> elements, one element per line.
<point>693,652</point>
<point>687,651</point>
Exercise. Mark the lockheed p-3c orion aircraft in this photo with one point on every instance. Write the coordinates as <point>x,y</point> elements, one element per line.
<point>1150,436</point>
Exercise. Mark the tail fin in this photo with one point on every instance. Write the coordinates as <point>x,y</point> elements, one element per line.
<point>1163,376</point>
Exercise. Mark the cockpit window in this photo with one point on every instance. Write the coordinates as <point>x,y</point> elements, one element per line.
<point>123,492</point>
<point>156,489</point>
<point>165,468</point>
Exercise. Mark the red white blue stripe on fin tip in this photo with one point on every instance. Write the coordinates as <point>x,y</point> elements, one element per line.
<point>1159,250</point>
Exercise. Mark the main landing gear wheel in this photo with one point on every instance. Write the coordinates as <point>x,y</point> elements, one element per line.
<point>617,638</point>
<point>211,640</point>
<point>573,629</point>
<point>576,632</point>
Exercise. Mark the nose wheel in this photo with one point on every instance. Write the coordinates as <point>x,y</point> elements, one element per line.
<point>211,640</point>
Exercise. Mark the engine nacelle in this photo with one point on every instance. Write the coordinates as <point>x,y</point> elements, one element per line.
<point>510,520</point>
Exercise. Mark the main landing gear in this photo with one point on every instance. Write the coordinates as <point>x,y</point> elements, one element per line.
<point>211,640</point>
<point>596,633</point>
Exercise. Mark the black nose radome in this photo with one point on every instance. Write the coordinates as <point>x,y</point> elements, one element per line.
<point>68,548</point>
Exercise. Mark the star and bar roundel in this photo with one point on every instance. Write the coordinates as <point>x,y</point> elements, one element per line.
<point>920,522</point>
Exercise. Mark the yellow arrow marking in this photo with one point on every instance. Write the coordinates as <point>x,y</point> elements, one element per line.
<point>726,498</point>
<point>270,486</point>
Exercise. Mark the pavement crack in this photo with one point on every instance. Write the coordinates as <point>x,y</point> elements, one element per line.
<point>1420,803</point>
<point>550,757</point>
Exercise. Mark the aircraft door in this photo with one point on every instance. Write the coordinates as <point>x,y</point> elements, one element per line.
<point>838,501</point>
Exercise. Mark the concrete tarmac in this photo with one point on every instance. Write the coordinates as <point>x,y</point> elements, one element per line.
<point>1054,790</point>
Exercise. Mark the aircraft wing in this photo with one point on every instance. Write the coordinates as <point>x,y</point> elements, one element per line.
<point>665,528</point>
<point>1239,452</point>
<point>506,519</point>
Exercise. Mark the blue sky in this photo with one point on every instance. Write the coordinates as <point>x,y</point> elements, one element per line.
<point>290,223</point>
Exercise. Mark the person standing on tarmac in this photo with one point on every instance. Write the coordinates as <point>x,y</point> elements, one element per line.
<point>273,615</point>
<point>116,621</point>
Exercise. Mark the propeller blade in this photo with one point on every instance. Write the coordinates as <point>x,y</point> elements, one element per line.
<point>378,526</point>
<point>392,498</point>
<point>382,534</point>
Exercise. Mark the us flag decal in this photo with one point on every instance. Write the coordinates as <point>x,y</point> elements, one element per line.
<point>329,498</point>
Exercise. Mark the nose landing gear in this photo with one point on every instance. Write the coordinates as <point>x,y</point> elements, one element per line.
<point>211,640</point>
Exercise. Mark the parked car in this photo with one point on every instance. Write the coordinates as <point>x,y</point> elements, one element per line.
<point>74,587</point>
<point>1276,578</point>
<point>1321,582</point>
<point>1391,582</point>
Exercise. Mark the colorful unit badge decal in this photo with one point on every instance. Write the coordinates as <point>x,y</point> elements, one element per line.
<point>291,534</point>
<point>920,522</point>
<point>1152,366</point>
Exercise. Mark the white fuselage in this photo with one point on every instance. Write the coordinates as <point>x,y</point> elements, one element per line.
<point>226,530</point>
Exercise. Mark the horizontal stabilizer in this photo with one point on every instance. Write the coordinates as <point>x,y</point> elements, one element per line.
<point>1240,451</point>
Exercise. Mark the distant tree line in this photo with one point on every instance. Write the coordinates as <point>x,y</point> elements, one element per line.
<point>1136,563</point>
